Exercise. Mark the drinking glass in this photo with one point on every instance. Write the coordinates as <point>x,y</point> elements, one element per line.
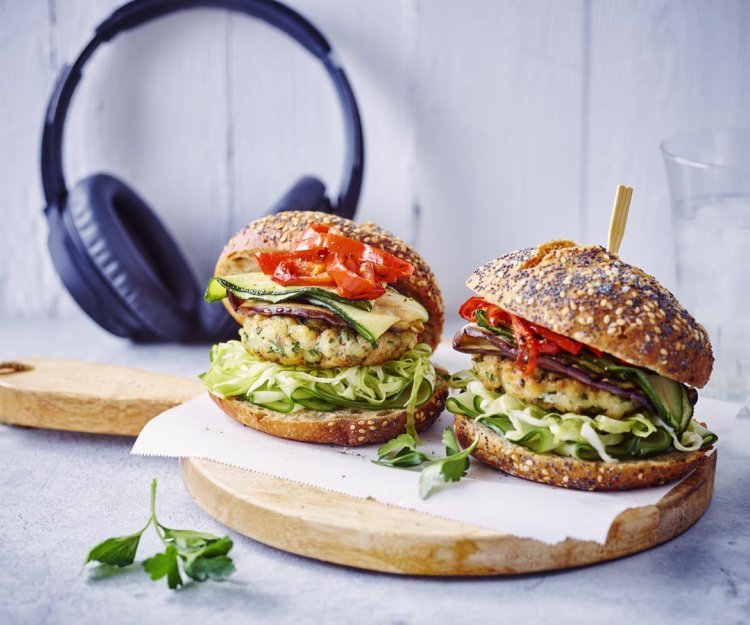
<point>708,172</point>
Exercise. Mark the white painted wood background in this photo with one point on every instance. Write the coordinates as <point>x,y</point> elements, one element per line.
<point>490,125</point>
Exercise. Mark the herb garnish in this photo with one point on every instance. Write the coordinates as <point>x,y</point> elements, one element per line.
<point>402,452</point>
<point>203,556</point>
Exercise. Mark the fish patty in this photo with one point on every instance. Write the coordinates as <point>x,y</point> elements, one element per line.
<point>315,343</point>
<point>548,390</point>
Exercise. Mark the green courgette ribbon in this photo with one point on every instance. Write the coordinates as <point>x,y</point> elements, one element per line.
<point>406,382</point>
<point>588,438</point>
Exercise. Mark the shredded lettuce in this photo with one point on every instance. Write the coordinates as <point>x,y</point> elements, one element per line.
<point>569,434</point>
<point>406,382</point>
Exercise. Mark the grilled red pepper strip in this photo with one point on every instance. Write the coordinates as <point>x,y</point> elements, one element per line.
<point>495,314</point>
<point>321,256</point>
<point>268,261</point>
<point>362,285</point>
<point>531,339</point>
<point>298,272</point>
<point>563,342</point>
<point>470,307</point>
<point>528,347</point>
<point>387,267</point>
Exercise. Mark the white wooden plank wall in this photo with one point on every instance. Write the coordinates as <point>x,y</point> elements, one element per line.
<point>491,124</point>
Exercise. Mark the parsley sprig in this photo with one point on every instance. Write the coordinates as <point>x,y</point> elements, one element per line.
<point>202,556</point>
<point>402,452</point>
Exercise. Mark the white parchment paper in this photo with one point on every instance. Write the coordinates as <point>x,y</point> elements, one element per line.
<point>485,497</point>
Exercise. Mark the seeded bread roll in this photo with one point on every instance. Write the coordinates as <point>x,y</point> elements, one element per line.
<point>351,427</point>
<point>276,232</point>
<point>498,452</point>
<point>590,295</point>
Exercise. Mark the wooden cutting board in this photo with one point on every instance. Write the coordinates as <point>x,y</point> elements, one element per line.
<point>370,535</point>
<point>88,397</point>
<point>81,396</point>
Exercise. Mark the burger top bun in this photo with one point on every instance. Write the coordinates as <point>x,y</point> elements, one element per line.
<point>276,232</point>
<point>590,295</point>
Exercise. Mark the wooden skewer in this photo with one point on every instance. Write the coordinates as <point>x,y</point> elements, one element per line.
<point>619,218</point>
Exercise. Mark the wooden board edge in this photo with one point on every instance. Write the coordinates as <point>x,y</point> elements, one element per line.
<point>68,395</point>
<point>62,412</point>
<point>462,550</point>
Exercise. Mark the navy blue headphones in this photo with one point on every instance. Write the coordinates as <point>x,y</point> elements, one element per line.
<point>112,253</point>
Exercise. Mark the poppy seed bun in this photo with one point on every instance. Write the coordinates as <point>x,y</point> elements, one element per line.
<point>590,295</point>
<point>276,232</point>
<point>349,426</point>
<point>498,452</point>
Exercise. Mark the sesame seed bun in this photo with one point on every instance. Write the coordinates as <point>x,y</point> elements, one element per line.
<point>498,452</point>
<point>350,427</point>
<point>590,295</point>
<point>276,232</point>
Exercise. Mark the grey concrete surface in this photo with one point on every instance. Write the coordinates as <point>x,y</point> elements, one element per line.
<point>60,493</point>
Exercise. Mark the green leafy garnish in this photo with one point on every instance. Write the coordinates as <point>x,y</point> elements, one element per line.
<point>201,568</point>
<point>451,444</point>
<point>203,556</point>
<point>449,469</point>
<point>165,565</point>
<point>118,551</point>
<point>402,452</point>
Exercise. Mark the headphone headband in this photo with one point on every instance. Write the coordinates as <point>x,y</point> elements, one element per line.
<point>138,12</point>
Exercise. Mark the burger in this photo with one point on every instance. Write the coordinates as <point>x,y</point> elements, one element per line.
<point>338,320</point>
<point>584,371</point>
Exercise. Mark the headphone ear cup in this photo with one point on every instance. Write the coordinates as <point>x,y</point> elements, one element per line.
<point>82,280</point>
<point>307,194</point>
<point>139,268</point>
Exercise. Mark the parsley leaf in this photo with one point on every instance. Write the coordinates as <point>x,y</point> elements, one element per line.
<point>165,565</point>
<point>202,555</point>
<point>453,468</point>
<point>216,568</point>
<point>451,444</point>
<point>188,539</point>
<point>402,452</point>
<point>429,478</point>
<point>119,551</point>
<point>213,548</point>
<point>449,469</point>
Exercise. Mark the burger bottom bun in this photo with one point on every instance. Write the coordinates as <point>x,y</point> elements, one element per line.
<point>496,451</point>
<point>350,426</point>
